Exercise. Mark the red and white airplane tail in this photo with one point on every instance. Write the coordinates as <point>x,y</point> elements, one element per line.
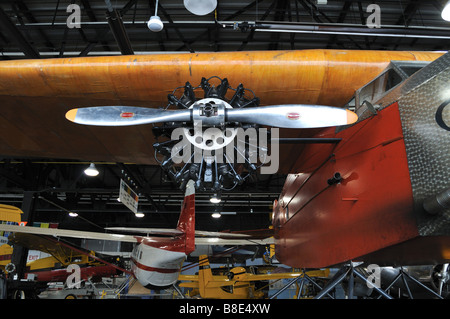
<point>186,222</point>
<point>157,261</point>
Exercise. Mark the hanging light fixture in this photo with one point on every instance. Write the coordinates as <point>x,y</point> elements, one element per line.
<point>155,24</point>
<point>200,7</point>
<point>215,199</point>
<point>446,12</point>
<point>216,215</point>
<point>91,170</point>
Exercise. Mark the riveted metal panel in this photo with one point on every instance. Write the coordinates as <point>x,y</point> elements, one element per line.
<point>425,116</point>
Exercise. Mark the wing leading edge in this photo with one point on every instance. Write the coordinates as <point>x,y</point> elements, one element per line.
<point>55,232</point>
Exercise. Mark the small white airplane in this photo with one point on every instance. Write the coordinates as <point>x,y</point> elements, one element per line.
<point>156,261</point>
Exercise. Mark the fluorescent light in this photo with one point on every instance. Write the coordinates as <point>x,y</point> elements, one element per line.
<point>446,12</point>
<point>91,170</point>
<point>216,215</point>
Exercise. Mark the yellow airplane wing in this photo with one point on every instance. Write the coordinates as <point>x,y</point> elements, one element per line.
<point>44,244</point>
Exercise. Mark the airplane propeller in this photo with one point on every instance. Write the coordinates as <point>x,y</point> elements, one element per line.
<point>215,112</point>
<point>212,124</point>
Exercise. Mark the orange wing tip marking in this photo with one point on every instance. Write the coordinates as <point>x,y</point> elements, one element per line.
<point>351,117</point>
<point>71,115</point>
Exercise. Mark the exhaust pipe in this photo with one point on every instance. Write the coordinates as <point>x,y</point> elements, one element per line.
<point>437,203</point>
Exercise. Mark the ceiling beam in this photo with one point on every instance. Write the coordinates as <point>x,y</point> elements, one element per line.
<point>29,16</point>
<point>118,29</point>
<point>177,31</point>
<point>11,29</point>
<point>115,22</point>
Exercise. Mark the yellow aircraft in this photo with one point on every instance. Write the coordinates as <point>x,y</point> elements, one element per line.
<point>52,268</point>
<point>237,284</point>
<point>8,215</point>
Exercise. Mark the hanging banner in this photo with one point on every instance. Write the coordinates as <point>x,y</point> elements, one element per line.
<point>128,197</point>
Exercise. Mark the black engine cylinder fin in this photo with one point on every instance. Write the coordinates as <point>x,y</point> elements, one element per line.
<point>211,91</point>
<point>239,100</point>
<point>186,99</point>
<point>206,87</point>
<point>222,89</point>
<point>238,95</point>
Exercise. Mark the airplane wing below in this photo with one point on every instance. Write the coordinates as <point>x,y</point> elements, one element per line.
<point>198,233</point>
<point>147,231</point>
<point>55,232</point>
<point>67,233</point>
<point>233,242</point>
<point>257,237</point>
<point>41,243</point>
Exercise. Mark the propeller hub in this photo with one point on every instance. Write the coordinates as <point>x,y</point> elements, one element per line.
<point>210,111</point>
<point>209,132</point>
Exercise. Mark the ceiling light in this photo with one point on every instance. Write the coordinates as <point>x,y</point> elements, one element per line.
<point>215,199</point>
<point>139,215</point>
<point>200,7</point>
<point>91,170</point>
<point>446,12</point>
<point>155,24</point>
<point>216,215</point>
<point>72,214</point>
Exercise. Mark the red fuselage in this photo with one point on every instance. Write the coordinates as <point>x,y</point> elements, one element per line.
<point>318,224</point>
<point>366,198</point>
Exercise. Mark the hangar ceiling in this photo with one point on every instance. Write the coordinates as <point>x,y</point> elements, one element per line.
<point>38,29</point>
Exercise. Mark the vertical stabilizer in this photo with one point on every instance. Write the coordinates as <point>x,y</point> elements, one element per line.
<point>186,223</point>
<point>204,275</point>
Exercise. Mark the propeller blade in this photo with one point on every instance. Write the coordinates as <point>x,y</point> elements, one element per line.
<point>125,115</point>
<point>293,116</point>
